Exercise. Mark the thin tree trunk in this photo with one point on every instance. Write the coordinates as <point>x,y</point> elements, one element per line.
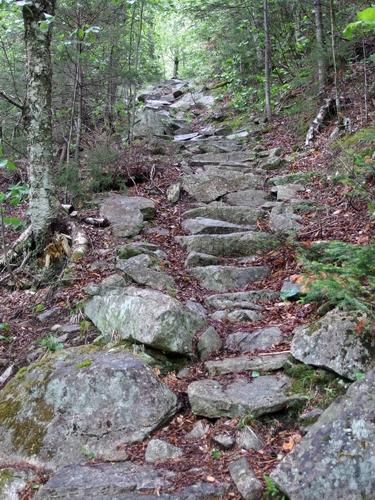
<point>365,79</point>
<point>320,45</point>
<point>176,65</point>
<point>267,61</point>
<point>79,87</point>
<point>43,204</point>
<point>333,48</point>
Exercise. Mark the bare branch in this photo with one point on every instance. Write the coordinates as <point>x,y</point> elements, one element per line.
<point>11,100</point>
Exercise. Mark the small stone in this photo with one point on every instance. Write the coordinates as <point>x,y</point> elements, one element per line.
<point>287,192</point>
<point>160,451</point>
<point>290,290</point>
<point>310,417</point>
<point>245,480</point>
<point>248,440</point>
<point>224,441</point>
<point>49,313</point>
<point>174,192</point>
<point>200,429</point>
<point>208,343</point>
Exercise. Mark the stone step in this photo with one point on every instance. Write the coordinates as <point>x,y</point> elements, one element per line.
<point>237,315</point>
<point>244,244</point>
<point>202,225</point>
<point>221,211</point>
<point>204,187</point>
<point>247,198</point>
<point>266,394</point>
<point>255,340</point>
<point>215,158</point>
<point>227,278</point>
<point>245,300</point>
<point>240,364</point>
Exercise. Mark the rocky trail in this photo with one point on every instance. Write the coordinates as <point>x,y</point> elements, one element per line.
<point>191,391</point>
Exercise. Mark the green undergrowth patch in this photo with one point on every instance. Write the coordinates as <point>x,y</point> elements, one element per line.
<point>320,387</point>
<point>341,275</point>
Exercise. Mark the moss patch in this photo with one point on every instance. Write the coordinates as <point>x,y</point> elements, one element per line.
<point>6,475</point>
<point>84,364</point>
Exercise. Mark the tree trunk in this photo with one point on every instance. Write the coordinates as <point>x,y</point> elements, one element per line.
<point>267,61</point>
<point>43,204</point>
<point>176,65</point>
<point>320,45</point>
<point>334,59</point>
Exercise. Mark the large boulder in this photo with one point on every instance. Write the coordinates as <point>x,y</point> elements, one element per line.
<point>81,401</point>
<point>266,394</point>
<point>336,459</point>
<point>333,343</point>
<point>150,121</point>
<point>146,316</point>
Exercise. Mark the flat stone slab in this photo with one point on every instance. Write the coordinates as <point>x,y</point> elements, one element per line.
<point>287,192</point>
<point>202,225</point>
<point>237,316</point>
<point>104,481</point>
<point>196,259</point>
<point>247,198</point>
<point>244,300</point>
<point>226,278</point>
<point>283,219</point>
<point>333,343</point>
<point>223,158</point>
<point>206,187</point>
<point>336,459</point>
<point>252,341</point>
<point>220,211</point>
<point>240,364</point>
<point>146,316</point>
<point>215,399</point>
<point>79,400</point>
<point>244,244</point>
<point>185,137</point>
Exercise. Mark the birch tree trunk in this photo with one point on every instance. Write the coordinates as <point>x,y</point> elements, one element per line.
<point>43,204</point>
<point>320,45</point>
<point>267,61</point>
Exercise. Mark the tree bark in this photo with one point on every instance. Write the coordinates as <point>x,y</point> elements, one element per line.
<point>320,45</point>
<point>267,61</point>
<point>43,204</point>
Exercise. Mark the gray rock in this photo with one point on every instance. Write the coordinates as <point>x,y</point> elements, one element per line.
<point>79,401</point>
<point>237,316</point>
<point>196,307</point>
<point>151,121</point>
<point>336,459</point>
<point>160,451</point>
<point>252,341</point>
<point>224,441</point>
<point>333,343</point>
<point>202,225</point>
<point>245,300</point>
<point>13,482</point>
<point>126,214</point>
<point>247,198</point>
<point>287,192</point>
<point>214,399</point>
<point>144,270</point>
<point>247,439</point>
<point>221,158</point>
<point>174,192</point>
<point>220,211</point>
<point>272,163</point>
<point>139,248</point>
<point>201,259</point>
<point>290,290</point>
<point>228,245</point>
<point>227,278</point>
<point>245,480</point>
<point>104,481</point>
<point>147,316</point>
<point>199,430</point>
<point>246,363</point>
<point>49,313</point>
<point>209,186</point>
<point>110,283</point>
<point>283,219</point>
<point>185,137</point>
<point>208,343</point>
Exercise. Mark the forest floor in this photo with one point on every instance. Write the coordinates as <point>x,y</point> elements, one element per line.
<point>30,313</point>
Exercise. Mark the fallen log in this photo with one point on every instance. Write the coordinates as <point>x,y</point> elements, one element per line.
<point>327,111</point>
<point>80,243</point>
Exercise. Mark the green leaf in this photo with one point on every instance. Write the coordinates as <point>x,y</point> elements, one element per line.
<point>216,454</point>
<point>367,14</point>
<point>13,221</point>
<point>359,376</point>
<point>255,374</point>
<point>8,165</point>
<point>5,338</point>
<point>4,327</point>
